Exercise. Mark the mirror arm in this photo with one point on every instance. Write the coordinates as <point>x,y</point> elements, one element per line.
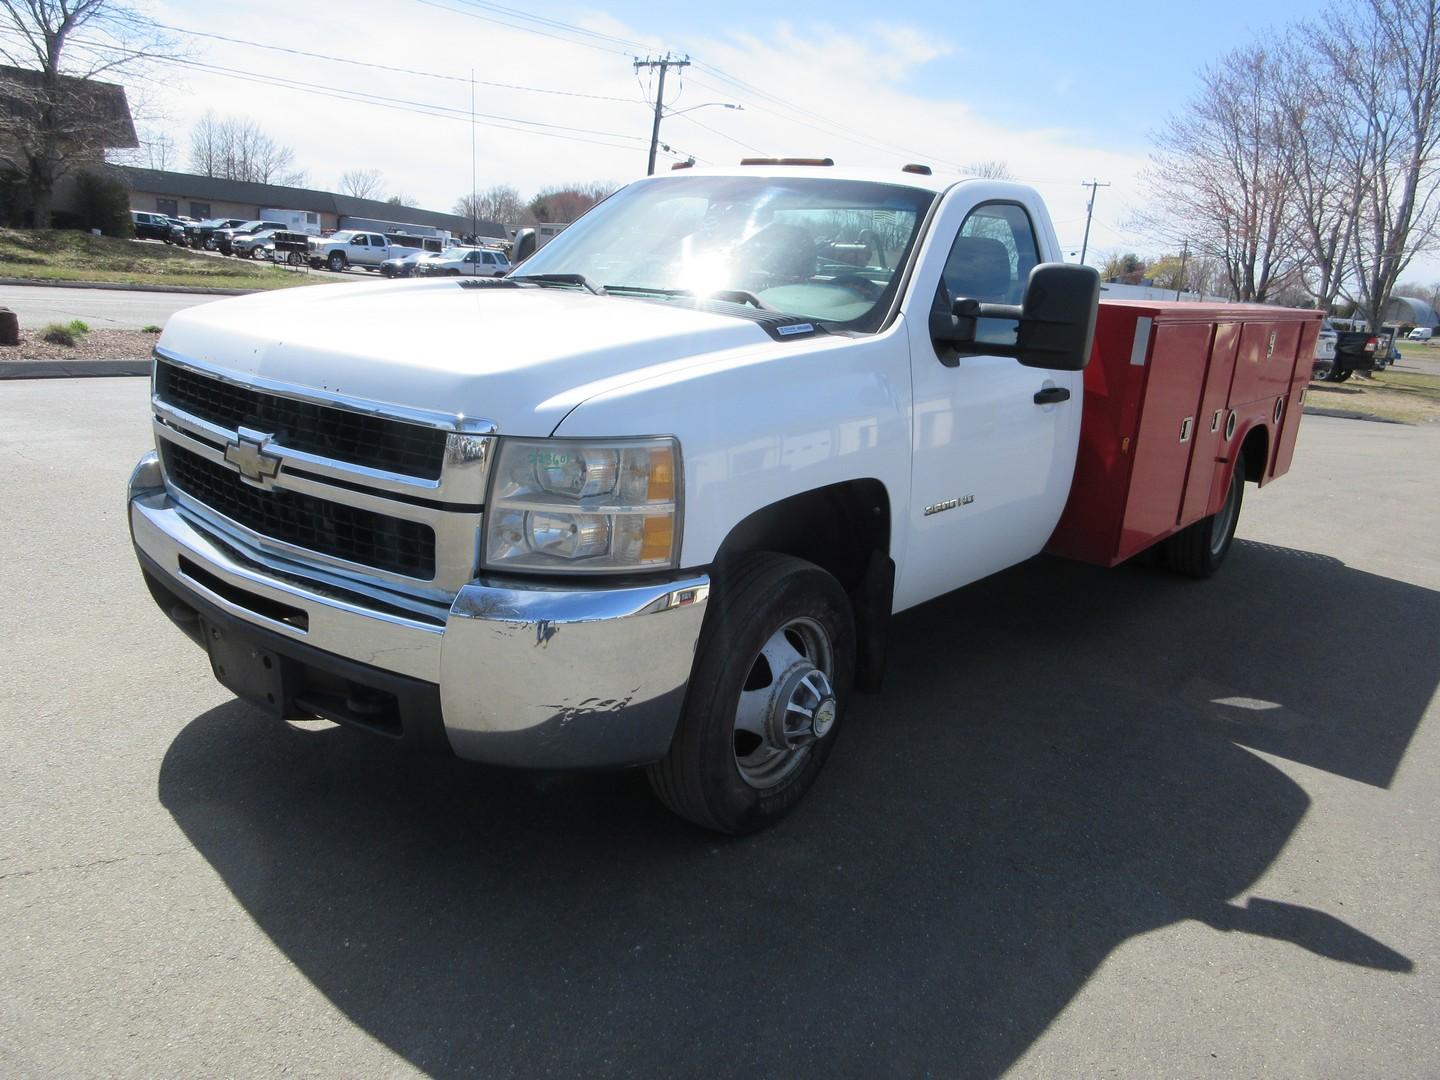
<point>974,309</point>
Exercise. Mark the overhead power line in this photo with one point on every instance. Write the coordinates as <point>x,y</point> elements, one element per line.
<point>555,23</point>
<point>607,48</point>
<point>421,108</point>
<point>247,43</point>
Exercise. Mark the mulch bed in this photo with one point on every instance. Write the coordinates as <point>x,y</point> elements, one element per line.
<point>96,345</point>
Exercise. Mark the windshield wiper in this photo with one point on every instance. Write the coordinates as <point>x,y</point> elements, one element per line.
<point>561,279</point>
<point>732,296</point>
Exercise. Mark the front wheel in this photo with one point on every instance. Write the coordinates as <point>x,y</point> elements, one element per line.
<point>1198,550</point>
<point>772,674</point>
<point>337,261</point>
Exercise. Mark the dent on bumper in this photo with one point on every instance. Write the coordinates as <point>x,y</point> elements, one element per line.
<point>579,676</point>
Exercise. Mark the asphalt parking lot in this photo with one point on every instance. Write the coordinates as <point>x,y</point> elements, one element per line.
<point>1100,823</point>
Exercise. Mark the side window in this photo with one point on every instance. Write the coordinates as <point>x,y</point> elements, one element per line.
<point>991,261</point>
<point>359,240</point>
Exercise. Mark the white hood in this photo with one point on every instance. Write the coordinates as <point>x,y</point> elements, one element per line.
<point>520,357</point>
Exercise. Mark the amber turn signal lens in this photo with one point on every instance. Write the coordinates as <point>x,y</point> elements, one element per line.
<point>662,476</point>
<point>659,538</point>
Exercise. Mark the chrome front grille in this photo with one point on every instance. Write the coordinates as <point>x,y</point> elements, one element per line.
<point>338,487</point>
<point>371,441</point>
<point>346,532</point>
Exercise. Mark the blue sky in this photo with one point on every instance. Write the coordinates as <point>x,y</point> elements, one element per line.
<point>1113,70</point>
<point>1059,91</point>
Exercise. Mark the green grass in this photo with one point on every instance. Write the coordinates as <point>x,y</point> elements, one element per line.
<point>65,333</point>
<point>68,255</point>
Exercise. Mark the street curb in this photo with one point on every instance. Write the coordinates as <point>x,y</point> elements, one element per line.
<point>115,286</point>
<point>1347,414</point>
<point>70,369</point>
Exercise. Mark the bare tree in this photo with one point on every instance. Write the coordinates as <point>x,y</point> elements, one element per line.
<point>1220,175</point>
<point>55,116</point>
<point>1429,293</point>
<point>1327,172</point>
<point>501,203</point>
<point>991,169</point>
<point>362,183</point>
<point>565,204</point>
<point>156,151</point>
<point>235,148</point>
<point>1385,60</point>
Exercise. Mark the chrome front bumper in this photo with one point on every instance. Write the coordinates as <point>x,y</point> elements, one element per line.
<point>561,676</point>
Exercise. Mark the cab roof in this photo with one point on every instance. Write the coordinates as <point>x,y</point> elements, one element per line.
<point>936,180</point>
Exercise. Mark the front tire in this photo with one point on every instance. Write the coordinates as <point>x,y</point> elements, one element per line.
<point>337,261</point>
<point>1198,550</point>
<point>773,671</point>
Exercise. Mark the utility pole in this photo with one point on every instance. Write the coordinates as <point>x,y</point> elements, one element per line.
<point>664,64</point>
<point>1184,258</point>
<point>1089,212</point>
<point>474,210</point>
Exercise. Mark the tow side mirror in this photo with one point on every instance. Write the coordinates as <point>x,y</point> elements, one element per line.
<point>1054,324</point>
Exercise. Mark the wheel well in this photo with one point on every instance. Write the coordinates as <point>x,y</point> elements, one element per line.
<point>835,527</point>
<point>1256,449</point>
<point>844,529</point>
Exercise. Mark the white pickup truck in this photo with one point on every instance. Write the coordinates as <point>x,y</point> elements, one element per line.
<point>366,250</point>
<point>653,499</point>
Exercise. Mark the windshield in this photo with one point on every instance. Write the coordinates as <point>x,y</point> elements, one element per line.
<point>822,249</point>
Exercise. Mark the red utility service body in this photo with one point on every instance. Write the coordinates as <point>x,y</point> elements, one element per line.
<point>1173,393</point>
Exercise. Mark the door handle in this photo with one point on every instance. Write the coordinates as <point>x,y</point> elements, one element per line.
<point>1052,395</point>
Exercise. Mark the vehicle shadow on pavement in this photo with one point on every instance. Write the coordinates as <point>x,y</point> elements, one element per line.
<point>1058,763</point>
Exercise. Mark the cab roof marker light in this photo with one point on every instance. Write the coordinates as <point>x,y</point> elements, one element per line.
<point>919,170</point>
<point>787,161</point>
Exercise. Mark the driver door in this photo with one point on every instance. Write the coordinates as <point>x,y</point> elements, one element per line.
<point>991,466</point>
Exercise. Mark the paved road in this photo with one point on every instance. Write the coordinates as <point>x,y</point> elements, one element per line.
<point>1100,823</point>
<point>111,309</point>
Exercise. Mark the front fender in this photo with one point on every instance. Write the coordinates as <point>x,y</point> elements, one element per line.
<point>760,426</point>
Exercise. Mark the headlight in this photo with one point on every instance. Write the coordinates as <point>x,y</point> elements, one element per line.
<point>568,505</point>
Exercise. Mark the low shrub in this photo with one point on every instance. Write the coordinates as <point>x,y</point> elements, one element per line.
<point>68,334</point>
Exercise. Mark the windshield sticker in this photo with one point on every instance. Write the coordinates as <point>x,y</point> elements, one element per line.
<point>795,328</point>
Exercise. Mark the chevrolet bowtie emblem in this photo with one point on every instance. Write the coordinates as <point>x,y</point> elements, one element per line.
<point>248,454</point>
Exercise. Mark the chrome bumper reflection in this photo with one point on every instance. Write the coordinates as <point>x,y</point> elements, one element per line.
<point>569,678</point>
<point>532,676</point>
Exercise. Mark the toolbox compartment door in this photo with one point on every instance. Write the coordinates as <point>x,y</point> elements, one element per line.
<point>1289,427</point>
<point>1166,433</point>
<point>1208,462</point>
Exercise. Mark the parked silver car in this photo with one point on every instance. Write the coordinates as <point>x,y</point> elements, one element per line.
<point>477,262</point>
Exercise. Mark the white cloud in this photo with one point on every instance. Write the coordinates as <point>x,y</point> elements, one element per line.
<point>849,91</point>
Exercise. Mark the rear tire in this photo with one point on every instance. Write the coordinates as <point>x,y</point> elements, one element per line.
<point>1199,550</point>
<point>719,773</point>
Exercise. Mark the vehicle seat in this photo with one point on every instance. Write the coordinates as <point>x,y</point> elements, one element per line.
<point>781,251</point>
<point>978,268</point>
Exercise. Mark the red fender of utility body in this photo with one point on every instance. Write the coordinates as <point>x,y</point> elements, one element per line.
<point>1173,393</point>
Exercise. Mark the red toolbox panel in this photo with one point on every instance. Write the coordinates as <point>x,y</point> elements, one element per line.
<point>1156,441</point>
<point>1207,461</point>
<point>1166,433</point>
<point>1295,399</point>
